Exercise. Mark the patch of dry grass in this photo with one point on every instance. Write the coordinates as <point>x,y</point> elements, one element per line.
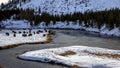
<point>0,66</point>
<point>48,40</point>
<point>66,53</point>
<point>116,56</point>
<point>10,46</point>
<point>75,66</point>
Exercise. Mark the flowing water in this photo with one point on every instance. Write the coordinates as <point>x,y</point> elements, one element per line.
<point>61,38</point>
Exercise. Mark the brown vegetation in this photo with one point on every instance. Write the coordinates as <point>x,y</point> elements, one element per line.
<point>0,66</point>
<point>75,66</point>
<point>10,46</point>
<point>48,40</point>
<point>104,54</point>
<point>66,53</point>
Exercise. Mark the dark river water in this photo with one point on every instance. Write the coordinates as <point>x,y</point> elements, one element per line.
<point>61,38</point>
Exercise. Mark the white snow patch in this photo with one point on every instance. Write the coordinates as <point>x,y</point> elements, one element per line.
<point>16,24</point>
<point>6,40</point>
<point>81,58</point>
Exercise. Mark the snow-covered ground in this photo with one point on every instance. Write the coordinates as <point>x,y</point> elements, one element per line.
<point>69,6</point>
<point>71,25</point>
<point>11,37</point>
<point>15,24</point>
<point>83,57</point>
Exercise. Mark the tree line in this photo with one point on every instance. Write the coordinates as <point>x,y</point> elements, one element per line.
<point>91,19</point>
<point>6,14</point>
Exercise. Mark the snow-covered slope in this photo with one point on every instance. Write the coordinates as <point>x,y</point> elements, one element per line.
<point>69,6</point>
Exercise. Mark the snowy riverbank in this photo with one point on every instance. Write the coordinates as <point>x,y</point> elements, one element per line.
<point>14,37</point>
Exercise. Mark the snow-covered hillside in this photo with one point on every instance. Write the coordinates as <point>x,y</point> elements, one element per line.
<point>68,6</point>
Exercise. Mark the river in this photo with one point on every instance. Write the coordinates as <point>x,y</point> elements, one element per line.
<point>61,38</point>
